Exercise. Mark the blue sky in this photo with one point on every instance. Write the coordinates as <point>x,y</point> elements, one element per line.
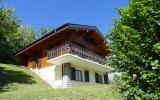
<point>53,13</point>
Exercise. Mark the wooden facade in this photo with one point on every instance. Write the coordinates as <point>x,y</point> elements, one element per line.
<point>84,38</point>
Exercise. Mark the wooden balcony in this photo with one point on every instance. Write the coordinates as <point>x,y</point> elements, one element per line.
<point>75,50</point>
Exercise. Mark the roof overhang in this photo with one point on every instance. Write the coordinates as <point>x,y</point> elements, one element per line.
<point>58,30</point>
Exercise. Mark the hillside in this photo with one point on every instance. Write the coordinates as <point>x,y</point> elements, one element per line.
<point>18,83</point>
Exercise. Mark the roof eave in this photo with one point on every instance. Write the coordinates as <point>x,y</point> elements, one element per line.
<point>67,25</point>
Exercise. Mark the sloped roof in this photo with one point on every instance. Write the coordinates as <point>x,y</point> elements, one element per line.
<point>67,25</point>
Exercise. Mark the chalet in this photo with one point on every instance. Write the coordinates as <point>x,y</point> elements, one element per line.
<point>71,55</point>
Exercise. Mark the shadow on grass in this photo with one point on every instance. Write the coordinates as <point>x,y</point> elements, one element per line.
<point>11,76</point>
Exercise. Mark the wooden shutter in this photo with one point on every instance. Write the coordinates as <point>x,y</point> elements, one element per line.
<point>73,74</point>
<point>39,54</point>
<point>62,69</point>
<point>33,61</point>
<point>81,78</point>
<point>96,78</point>
<point>106,79</point>
<point>86,73</point>
<point>25,60</point>
<point>100,78</point>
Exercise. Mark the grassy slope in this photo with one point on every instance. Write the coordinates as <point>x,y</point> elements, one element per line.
<point>17,83</point>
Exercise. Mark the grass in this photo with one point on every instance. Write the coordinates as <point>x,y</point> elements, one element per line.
<point>18,83</point>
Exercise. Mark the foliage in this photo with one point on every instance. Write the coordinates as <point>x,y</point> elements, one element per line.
<point>12,36</point>
<point>135,47</point>
<point>43,31</point>
<point>31,87</point>
<point>8,26</point>
<point>24,36</point>
<point>20,39</point>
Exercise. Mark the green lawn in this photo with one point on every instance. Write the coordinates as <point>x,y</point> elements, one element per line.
<point>18,83</point>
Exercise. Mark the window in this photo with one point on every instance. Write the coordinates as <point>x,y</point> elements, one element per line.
<point>78,75</point>
<point>98,78</point>
<point>86,74</point>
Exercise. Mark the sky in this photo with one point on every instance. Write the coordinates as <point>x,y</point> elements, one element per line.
<point>54,13</point>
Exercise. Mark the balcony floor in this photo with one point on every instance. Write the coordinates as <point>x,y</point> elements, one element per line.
<point>78,61</point>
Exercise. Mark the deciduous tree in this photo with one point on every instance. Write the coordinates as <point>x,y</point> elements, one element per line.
<point>135,47</point>
<point>13,37</point>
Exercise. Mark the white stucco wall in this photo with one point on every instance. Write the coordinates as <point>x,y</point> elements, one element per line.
<point>58,77</point>
<point>53,76</point>
<point>47,74</point>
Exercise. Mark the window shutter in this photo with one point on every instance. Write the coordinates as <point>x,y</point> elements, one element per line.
<point>96,78</point>
<point>100,78</point>
<point>33,61</point>
<point>73,75</point>
<point>62,69</point>
<point>79,73</point>
<point>39,55</point>
<point>106,80</point>
<point>86,73</point>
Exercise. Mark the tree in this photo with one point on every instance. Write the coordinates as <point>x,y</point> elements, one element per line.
<point>8,25</point>
<point>20,39</point>
<point>23,37</point>
<point>13,37</point>
<point>135,47</point>
<point>43,31</point>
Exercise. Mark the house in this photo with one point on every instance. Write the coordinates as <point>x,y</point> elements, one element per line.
<point>71,55</point>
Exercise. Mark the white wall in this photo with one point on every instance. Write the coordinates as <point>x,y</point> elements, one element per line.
<point>53,76</point>
<point>47,74</point>
<point>58,77</point>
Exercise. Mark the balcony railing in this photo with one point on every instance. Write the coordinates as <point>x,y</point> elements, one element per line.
<point>75,50</point>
